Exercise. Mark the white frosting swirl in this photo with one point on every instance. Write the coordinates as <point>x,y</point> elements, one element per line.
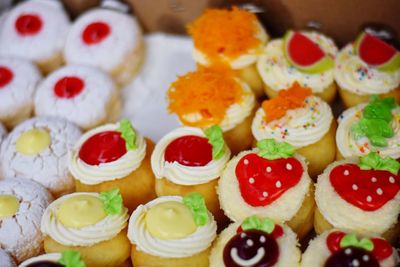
<point>191,245</point>
<point>95,174</point>
<point>181,174</point>
<point>354,75</point>
<point>52,257</point>
<point>106,229</point>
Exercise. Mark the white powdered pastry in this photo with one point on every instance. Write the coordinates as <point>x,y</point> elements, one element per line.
<point>289,253</point>
<point>299,127</point>
<point>278,74</point>
<point>188,246</point>
<point>96,174</point>
<point>282,209</point>
<point>181,174</point>
<point>50,166</point>
<point>356,76</point>
<point>51,257</point>
<point>350,147</point>
<point>3,133</point>
<point>106,229</point>
<point>88,108</point>
<point>6,260</point>
<point>47,42</point>
<point>20,234</point>
<point>343,215</point>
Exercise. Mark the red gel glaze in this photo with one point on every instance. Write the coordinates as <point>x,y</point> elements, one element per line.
<point>382,249</point>
<point>368,190</point>
<point>6,76</point>
<point>95,32</point>
<point>102,148</point>
<point>189,150</point>
<point>68,87</point>
<point>333,241</point>
<point>262,181</point>
<point>28,24</point>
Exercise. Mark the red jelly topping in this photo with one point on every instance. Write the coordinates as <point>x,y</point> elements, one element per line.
<point>6,76</point>
<point>28,24</point>
<point>262,181</point>
<point>95,32</point>
<point>382,249</point>
<point>68,87</point>
<point>333,240</point>
<point>368,190</point>
<point>189,150</point>
<point>102,148</point>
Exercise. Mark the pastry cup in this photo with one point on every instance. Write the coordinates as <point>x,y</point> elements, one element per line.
<point>51,64</point>
<point>251,76</point>
<point>351,99</point>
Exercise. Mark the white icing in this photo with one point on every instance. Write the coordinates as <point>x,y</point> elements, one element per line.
<point>52,257</point>
<point>6,260</point>
<point>3,133</point>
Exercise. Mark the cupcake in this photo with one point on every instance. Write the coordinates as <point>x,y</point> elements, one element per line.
<point>360,195</point>
<point>35,30</point>
<point>302,120</point>
<point>114,156</point>
<point>68,258</point>
<point>18,81</point>
<point>90,223</point>
<point>22,204</point>
<point>270,181</point>
<point>256,242</point>
<point>189,160</point>
<point>38,149</point>
<point>303,57</point>
<point>6,259</point>
<point>234,37</point>
<point>340,248</point>
<point>84,95</point>
<point>373,126</point>
<point>172,231</point>
<point>215,96</point>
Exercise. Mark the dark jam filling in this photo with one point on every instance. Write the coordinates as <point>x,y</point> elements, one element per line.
<point>352,257</point>
<point>45,264</point>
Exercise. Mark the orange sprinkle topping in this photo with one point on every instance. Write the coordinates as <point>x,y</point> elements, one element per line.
<point>207,91</point>
<point>291,98</point>
<point>228,32</point>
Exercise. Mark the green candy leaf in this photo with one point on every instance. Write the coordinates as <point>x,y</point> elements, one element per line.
<point>375,162</point>
<point>216,139</point>
<point>350,240</point>
<point>128,133</point>
<point>112,201</point>
<point>253,222</point>
<point>71,258</point>
<point>195,202</point>
<point>270,149</point>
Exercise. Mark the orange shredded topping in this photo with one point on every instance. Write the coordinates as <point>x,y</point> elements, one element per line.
<point>291,98</point>
<point>209,91</point>
<point>228,32</point>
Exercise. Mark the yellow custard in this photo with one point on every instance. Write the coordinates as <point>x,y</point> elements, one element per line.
<point>9,206</point>
<point>33,141</point>
<point>170,220</point>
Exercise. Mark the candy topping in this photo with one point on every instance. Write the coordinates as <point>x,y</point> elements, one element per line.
<point>112,201</point>
<point>9,206</point>
<point>375,162</point>
<point>69,87</point>
<point>216,139</point>
<point>128,133</point>
<point>195,202</point>
<point>45,264</point>
<point>6,76</point>
<point>71,258</point>
<point>253,222</point>
<point>96,32</point>
<point>270,149</point>
<point>352,257</point>
<point>33,141</point>
<point>28,24</point>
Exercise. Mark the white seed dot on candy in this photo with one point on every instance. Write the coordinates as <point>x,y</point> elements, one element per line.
<point>246,162</point>
<point>278,184</point>
<point>365,258</point>
<point>265,194</point>
<point>379,191</point>
<point>262,239</point>
<point>347,251</point>
<point>355,263</point>
<point>289,166</point>
<point>243,235</point>
<point>249,242</point>
<point>369,198</point>
<point>373,179</point>
<point>346,172</point>
<point>392,180</point>
<point>251,180</point>
<point>269,169</point>
<point>354,187</point>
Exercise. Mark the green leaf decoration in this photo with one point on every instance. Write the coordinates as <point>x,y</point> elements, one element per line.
<point>375,162</point>
<point>112,201</point>
<point>71,258</point>
<point>350,240</point>
<point>128,133</point>
<point>216,139</point>
<point>195,202</point>
<point>270,149</point>
<point>253,222</point>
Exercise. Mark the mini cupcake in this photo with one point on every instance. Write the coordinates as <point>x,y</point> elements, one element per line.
<point>68,258</point>
<point>36,30</point>
<point>38,149</point>
<point>303,57</point>
<point>6,259</point>
<point>214,96</point>
<point>172,231</point>
<point>3,133</point>
<point>18,81</point>
<point>90,223</point>
<point>22,204</point>
<point>338,248</point>
<point>373,126</point>
<point>302,120</point>
<point>84,95</point>
<point>360,195</point>
<point>256,242</point>
<point>114,156</point>
<point>234,37</point>
<point>272,181</point>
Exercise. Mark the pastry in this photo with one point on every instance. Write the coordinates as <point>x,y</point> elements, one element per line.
<point>3,133</point>
<point>38,149</point>
<point>84,95</point>
<point>269,181</point>
<point>68,258</point>
<point>22,204</point>
<point>6,259</point>
<point>172,231</point>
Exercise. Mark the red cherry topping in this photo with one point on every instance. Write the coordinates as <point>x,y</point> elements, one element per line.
<point>28,24</point>
<point>102,148</point>
<point>69,87</point>
<point>262,181</point>
<point>95,32</point>
<point>333,241</point>
<point>368,190</point>
<point>382,249</point>
<point>6,76</point>
<point>189,150</point>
